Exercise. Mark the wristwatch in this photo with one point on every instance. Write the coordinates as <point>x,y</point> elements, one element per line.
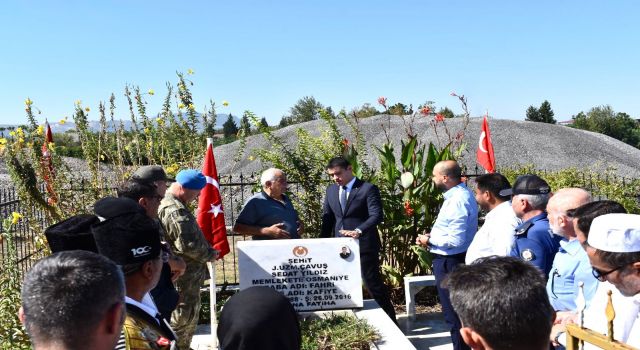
<point>359,231</point>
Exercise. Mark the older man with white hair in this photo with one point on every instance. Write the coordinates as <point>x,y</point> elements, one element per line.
<point>269,214</point>
<point>570,264</point>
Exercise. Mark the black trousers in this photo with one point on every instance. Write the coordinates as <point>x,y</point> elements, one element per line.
<point>442,266</point>
<point>370,268</point>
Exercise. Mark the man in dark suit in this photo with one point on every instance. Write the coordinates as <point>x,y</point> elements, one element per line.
<point>352,208</point>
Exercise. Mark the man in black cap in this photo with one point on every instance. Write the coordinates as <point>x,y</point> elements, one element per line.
<point>153,174</point>
<point>132,241</point>
<point>73,300</point>
<point>145,192</point>
<point>534,242</point>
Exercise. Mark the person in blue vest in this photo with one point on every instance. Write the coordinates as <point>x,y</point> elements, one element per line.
<point>534,241</point>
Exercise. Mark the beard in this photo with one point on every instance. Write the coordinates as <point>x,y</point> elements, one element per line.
<point>556,230</point>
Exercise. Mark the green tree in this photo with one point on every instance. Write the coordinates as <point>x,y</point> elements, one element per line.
<point>245,126</point>
<point>229,128</point>
<point>605,120</point>
<point>263,123</point>
<point>532,114</point>
<point>446,112</point>
<point>306,109</point>
<point>400,109</point>
<point>544,114</point>
<point>365,111</point>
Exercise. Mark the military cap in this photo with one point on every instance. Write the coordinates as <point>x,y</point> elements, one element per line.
<point>111,207</point>
<point>128,238</point>
<point>191,179</point>
<point>527,184</point>
<point>150,173</point>
<point>73,233</point>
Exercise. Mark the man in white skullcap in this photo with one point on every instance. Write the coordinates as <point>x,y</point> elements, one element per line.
<point>613,247</point>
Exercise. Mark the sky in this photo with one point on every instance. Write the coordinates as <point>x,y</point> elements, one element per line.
<point>263,56</point>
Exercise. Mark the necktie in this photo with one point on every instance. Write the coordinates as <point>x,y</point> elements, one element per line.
<point>343,198</point>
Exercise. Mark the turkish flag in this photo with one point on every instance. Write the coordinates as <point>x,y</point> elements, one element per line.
<point>484,155</point>
<point>210,212</point>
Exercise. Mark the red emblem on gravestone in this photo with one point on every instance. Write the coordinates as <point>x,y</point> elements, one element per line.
<point>300,251</point>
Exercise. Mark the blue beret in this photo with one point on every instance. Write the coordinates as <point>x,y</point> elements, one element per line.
<point>191,179</point>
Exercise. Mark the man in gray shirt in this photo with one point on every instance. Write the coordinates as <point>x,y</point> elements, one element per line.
<point>269,214</point>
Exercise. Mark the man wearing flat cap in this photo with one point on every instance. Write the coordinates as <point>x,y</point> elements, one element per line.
<point>534,242</point>
<point>188,242</point>
<point>131,240</point>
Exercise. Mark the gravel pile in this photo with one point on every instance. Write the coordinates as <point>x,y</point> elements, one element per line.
<point>547,146</point>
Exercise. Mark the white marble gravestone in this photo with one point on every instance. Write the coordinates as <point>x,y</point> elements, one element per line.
<point>315,274</point>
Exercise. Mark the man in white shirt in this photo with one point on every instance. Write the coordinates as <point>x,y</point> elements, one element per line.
<point>497,234</point>
<point>613,247</point>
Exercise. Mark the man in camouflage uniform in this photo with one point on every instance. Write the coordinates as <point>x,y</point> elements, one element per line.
<point>188,242</point>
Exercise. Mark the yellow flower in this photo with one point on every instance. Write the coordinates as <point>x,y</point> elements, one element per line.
<point>78,102</point>
<point>21,140</point>
<point>190,71</point>
<point>180,105</point>
<point>19,131</point>
<point>127,148</point>
<point>52,146</point>
<point>102,157</point>
<point>87,109</point>
<point>63,121</point>
<point>147,130</point>
<point>191,106</point>
<point>151,92</point>
<point>12,133</point>
<point>15,217</point>
<point>3,141</point>
<point>40,130</point>
<point>225,103</point>
<point>28,102</point>
<point>251,158</point>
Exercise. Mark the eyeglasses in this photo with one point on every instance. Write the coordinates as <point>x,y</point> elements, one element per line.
<point>601,275</point>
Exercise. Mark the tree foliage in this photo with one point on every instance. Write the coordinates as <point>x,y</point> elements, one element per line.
<point>229,128</point>
<point>544,114</point>
<point>306,109</point>
<point>446,112</point>
<point>605,120</point>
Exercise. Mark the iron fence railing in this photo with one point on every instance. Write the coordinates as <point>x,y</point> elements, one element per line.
<point>235,190</point>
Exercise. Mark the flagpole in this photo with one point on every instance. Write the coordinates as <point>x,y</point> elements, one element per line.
<point>212,289</point>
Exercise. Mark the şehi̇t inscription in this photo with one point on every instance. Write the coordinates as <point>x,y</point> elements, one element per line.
<point>314,274</point>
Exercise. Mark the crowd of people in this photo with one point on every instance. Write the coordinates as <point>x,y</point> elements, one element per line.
<point>129,276</point>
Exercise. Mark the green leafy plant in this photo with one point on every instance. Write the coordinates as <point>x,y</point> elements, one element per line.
<point>13,335</point>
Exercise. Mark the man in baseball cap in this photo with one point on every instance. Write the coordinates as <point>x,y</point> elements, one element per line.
<point>154,175</point>
<point>188,242</point>
<point>534,243</point>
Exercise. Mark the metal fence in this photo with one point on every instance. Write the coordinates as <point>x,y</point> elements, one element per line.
<point>235,189</point>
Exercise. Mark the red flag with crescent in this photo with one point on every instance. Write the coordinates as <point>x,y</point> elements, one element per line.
<point>485,155</point>
<point>210,211</point>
